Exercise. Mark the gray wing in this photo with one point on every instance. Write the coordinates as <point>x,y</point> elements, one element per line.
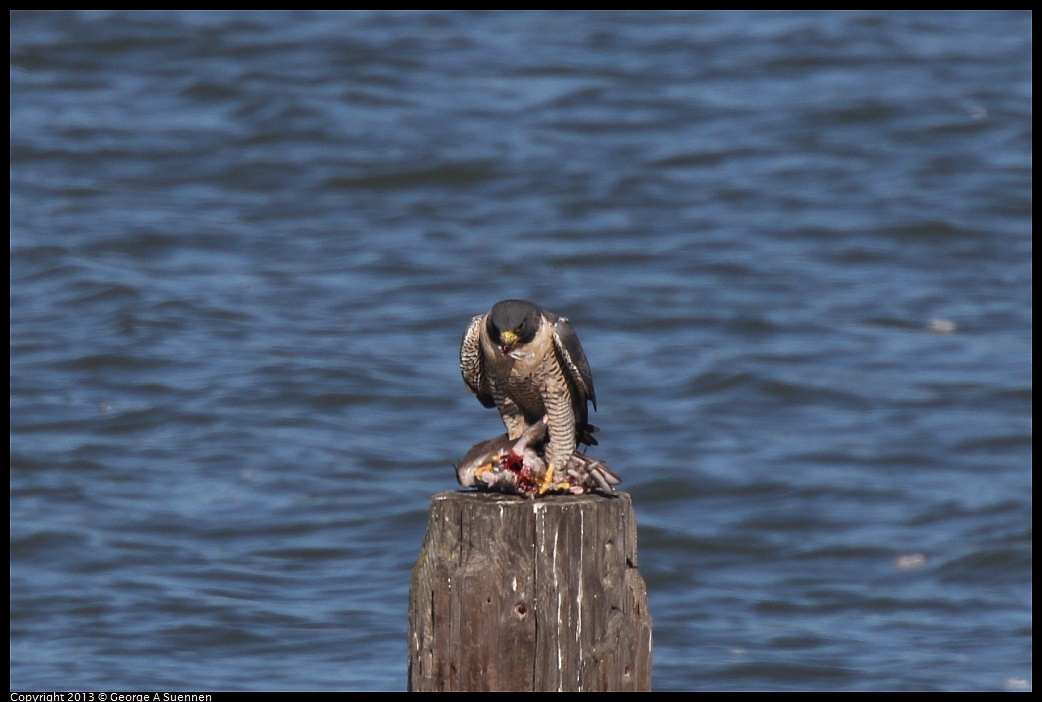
<point>472,362</point>
<point>573,360</point>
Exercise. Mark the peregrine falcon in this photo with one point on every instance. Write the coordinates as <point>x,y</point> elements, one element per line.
<point>528,363</point>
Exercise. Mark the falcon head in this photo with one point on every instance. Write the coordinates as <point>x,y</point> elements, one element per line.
<point>513,323</point>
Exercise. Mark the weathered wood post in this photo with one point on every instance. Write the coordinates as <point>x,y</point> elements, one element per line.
<point>529,595</point>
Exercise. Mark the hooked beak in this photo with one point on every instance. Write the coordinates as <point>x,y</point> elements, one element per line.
<point>507,339</point>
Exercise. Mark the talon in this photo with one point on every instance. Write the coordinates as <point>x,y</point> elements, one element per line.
<point>485,468</point>
<point>547,481</point>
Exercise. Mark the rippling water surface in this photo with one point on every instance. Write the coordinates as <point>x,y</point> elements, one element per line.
<point>797,248</point>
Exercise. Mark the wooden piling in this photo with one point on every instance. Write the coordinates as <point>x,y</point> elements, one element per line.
<point>529,595</point>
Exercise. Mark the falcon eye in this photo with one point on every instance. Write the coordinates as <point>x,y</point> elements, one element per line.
<point>518,329</point>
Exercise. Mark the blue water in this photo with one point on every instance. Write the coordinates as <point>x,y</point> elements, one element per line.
<point>244,246</point>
